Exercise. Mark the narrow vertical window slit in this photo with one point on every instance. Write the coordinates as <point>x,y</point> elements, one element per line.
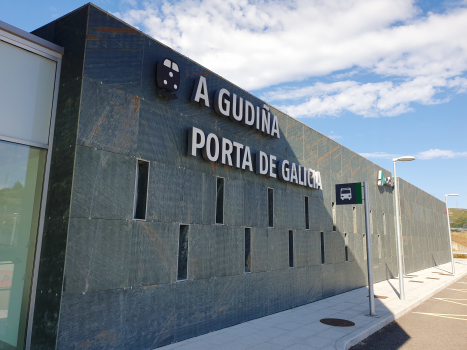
<point>334,226</point>
<point>354,215</point>
<point>307,214</point>
<point>346,241</point>
<point>364,247</point>
<point>291,255</point>
<point>247,249</point>
<point>182,270</point>
<point>379,246</point>
<point>141,190</point>
<point>220,201</point>
<point>384,223</point>
<point>322,248</point>
<point>270,207</point>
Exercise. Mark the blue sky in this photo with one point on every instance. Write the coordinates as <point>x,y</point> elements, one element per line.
<point>384,78</point>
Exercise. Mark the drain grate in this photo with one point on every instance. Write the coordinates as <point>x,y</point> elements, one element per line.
<point>446,274</point>
<point>433,278</point>
<point>412,275</point>
<point>337,322</point>
<point>417,281</point>
<point>408,277</point>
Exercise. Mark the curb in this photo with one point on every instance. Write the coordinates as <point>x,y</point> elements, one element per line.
<point>356,337</point>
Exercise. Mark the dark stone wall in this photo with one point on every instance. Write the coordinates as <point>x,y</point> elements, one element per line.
<point>121,289</point>
<point>69,32</point>
<point>424,229</point>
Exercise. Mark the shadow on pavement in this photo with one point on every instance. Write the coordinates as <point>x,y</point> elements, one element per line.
<point>391,337</point>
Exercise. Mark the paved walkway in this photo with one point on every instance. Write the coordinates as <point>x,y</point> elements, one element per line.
<point>300,328</point>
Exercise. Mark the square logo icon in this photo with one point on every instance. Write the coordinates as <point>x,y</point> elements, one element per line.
<point>168,78</point>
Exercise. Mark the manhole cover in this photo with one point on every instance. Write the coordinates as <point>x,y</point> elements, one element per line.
<point>337,322</point>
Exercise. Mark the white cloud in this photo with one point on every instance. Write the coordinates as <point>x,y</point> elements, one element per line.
<point>382,155</point>
<point>366,99</point>
<point>54,12</point>
<point>438,153</point>
<point>260,43</point>
<point>334,137</point>
<point>425,155</point>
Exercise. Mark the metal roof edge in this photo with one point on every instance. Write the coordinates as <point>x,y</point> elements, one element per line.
<point>30,37</point>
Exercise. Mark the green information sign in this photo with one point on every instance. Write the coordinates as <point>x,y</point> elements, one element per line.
<point>349,193</point>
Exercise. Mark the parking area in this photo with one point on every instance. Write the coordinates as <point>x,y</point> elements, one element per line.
<point>438,323</point>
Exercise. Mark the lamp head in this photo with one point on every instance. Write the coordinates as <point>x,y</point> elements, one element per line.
<point>451,195</point>
<point>403,159</point>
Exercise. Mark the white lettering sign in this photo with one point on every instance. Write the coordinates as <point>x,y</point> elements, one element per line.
<point>236,155</point>
<point>237,109</point>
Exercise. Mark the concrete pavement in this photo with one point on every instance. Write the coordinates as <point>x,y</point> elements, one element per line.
<point>300,328</point>
<point>438,323</point>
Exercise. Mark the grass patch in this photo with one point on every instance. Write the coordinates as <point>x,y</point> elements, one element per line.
<point>459,237</point>
<point>457,217</point>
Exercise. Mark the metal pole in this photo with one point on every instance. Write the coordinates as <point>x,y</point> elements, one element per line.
<point>369,250</point>
<point>399,240</point>
<point>450,238</point>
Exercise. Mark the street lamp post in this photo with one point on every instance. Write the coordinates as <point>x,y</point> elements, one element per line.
<point>449,228</point>
<point>398,230</point>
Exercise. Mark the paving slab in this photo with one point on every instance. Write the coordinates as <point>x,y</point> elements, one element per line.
<point>299,328</point>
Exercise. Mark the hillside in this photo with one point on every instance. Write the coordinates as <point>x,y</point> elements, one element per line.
<point>459,237</point>
<point>458,217</point>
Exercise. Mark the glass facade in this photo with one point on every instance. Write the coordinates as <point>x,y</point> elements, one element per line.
<point>27,87</point>
<point>26,94</point>
<point>21,174</point>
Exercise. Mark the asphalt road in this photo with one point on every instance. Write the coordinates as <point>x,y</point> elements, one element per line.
<point>438,323</point>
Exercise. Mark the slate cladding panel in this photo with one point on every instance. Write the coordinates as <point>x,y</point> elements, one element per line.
<point>121,288</point>
<point>70,33</point>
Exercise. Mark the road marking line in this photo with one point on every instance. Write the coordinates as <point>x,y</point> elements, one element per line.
<point>459,290</point>
<point>450,301</point>
<point>444,315</point>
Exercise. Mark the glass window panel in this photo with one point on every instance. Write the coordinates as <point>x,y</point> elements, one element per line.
<point>26,94</point>
<point>21,179</point>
